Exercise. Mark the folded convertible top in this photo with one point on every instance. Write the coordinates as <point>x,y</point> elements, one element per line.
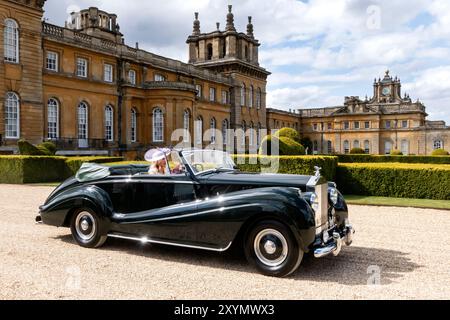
<point>94,171</point>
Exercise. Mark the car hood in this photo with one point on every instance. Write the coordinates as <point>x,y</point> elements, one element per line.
<point>260,179</point>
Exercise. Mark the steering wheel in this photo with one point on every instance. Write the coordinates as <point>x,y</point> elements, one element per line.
<point>198,167</point>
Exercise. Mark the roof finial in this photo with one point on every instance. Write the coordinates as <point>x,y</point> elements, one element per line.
<point>218,26</point>
<point>230,19</point>
<point>250,27</point>
<point>196,31</point>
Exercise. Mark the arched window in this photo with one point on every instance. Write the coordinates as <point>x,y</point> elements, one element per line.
<point>250,97</point>
<point>199,131</point>
<point>133,125</point>
<point>258,98</point>
<point>11,41</point>
<point>109,123</point>
<point>330,147</point>
<point>12,116</point>
<point>387,147</point>
<point>367,147</point>
<point>251,134</point>
<point>186,125</point>
<point>158,125</point>
<point>316,147</point>
<point>243,93</point>
<point>213,130</point>
<point>52,119</point>
<point>83,125</point>
<point>244,131</point>
<point>225,131</point>
<point>258,134</point>
<point>356,144</point>
<point>438,144</point>
<point>346,146</point>
<point>209,52</point>
<point>405,147</point>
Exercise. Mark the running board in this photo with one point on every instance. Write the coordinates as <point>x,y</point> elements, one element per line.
<point>148,240</point>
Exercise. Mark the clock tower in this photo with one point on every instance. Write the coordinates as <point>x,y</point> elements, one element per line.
<point>387,90</point>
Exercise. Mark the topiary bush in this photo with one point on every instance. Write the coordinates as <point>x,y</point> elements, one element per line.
<point>288,133</point>
<point>439,152</point>
<point>357,151</point>
<point>50,146</point>
<point>43,149</point>
<point>421,181</point>
<point>396,153</point>
<point>287,140</point>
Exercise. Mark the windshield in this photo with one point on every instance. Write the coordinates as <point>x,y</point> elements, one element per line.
<point>208,160</point>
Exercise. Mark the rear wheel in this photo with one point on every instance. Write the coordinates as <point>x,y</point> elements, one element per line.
<point>85,227</point>
<point>273,249</point>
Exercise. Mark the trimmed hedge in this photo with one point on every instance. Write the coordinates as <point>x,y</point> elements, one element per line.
<point>365,158</point>
<point>40,169</point>
<point>288,133</point>
<point>440,152</point>
<point>421,181</point>
<point>357,151</point>
<point>303,165</point>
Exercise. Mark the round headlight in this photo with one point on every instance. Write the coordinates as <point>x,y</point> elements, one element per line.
<point>334,195</point>
<point>314,202</point>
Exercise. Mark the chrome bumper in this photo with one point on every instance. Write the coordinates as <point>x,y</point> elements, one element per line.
<point>335,245</point>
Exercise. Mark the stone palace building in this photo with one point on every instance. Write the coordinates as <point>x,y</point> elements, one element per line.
<point>84,88</point>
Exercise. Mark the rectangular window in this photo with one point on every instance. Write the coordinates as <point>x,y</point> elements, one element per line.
<point>212,94</point>
<point>346,125</point>
<point>159,77</point>
<point>132,77</point>
<point>199,90</point>
<point>330,126</point>
<point>367,125</point>
<point>388,124</point>
<point>108,74</point>
<point>404,124</point>
<point>356,125</point>
<point>315,126</point>
<point>52,61</point>
<point>224,97</point>
<point>82,66</point>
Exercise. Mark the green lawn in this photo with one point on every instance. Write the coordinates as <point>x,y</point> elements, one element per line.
<point>398,202</point>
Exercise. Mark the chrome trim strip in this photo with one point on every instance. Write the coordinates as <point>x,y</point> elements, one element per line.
<point>188,215</point>
<point>127,179</point>
<point>147,240</point>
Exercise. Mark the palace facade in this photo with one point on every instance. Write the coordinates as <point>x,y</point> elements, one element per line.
<point>84,88</point>
<point>387,121</point>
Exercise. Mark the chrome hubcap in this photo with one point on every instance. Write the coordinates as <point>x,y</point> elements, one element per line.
<point>85,226</point>
<point>271,247</point>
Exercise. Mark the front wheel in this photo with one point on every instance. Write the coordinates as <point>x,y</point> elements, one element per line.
<point>85,227</point>
<point>273,249</point>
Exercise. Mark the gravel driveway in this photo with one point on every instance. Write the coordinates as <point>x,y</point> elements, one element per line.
<point>398,253</point>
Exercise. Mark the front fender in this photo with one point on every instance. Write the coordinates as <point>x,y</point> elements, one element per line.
<point>56,211</point>
<point>241,210</point>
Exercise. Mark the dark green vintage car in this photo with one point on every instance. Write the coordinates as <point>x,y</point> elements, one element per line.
<point>208,205</point>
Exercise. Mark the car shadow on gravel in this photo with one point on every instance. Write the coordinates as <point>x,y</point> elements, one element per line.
<point>354,266</point>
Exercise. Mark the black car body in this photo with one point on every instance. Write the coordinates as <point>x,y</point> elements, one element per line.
<point>278,217</point>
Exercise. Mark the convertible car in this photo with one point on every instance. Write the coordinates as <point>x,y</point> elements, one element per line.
<point>208,205</point>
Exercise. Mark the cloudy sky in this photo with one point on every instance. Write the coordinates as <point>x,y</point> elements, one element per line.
<point>318,51</point>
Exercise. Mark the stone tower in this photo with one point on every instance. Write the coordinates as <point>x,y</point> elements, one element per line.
<point>235,54</point>
<point>95,22</point>
<point>387,90</point>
